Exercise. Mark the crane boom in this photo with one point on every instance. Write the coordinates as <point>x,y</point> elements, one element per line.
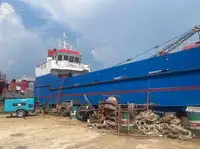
<point>175,42</point>
<point>178,41</point>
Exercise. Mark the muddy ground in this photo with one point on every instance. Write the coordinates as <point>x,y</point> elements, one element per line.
<point>48,132</point>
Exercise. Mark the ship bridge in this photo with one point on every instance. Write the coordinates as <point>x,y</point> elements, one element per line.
<point>63,60</point>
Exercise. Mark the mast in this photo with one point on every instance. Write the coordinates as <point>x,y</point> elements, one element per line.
<point>77,41</point>
<point>63,41</point>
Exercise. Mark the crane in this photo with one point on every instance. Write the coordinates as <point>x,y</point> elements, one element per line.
<point>175,42</point>
<point>169,48</point>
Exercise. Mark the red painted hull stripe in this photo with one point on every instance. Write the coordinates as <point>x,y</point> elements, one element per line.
<point>130,91</point>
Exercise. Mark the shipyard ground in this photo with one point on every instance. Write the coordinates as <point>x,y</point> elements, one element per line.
<point>48,132</point>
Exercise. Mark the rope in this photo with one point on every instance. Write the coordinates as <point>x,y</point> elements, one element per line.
<point>148,123</point>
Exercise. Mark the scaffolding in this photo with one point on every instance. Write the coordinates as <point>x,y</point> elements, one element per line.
<point>126,115</point>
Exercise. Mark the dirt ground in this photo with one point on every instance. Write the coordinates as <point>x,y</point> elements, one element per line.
<point>48,132</point>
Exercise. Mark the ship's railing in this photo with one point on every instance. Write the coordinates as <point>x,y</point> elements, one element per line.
<point>82,65</point>
<point>63,64</point>
<point>38,66</point>
<point>53,62</point>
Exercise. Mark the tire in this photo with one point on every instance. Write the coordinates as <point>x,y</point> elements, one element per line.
<point>81,115</point>
<point>21,113</point>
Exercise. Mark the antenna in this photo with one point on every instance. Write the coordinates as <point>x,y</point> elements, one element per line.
<point>77,40</point>
<point>63,41</point>
<point>59,43</point>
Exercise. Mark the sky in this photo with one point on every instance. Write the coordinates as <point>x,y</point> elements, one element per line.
<point>109,31</point>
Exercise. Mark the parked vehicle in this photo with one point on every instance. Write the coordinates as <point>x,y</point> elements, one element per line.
<point>20,106</point>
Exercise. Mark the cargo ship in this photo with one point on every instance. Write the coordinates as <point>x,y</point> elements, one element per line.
<point>168,80</point>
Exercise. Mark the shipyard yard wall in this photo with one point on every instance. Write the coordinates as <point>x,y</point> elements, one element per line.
<point>171,80</point>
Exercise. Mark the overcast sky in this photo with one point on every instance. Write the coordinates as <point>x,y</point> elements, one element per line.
<point>110,31</point>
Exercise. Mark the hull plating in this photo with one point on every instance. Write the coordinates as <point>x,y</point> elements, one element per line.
<point>177,85</point>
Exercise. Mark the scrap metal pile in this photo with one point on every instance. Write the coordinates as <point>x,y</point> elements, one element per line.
<point>148,123</point>
<point>106,114</point>
<point>136,119</point>
<point>143,122</point>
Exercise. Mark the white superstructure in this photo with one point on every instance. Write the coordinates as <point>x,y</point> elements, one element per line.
<point>62,61</point>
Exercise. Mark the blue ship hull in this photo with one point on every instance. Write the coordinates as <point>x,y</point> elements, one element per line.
<point>175,84</point>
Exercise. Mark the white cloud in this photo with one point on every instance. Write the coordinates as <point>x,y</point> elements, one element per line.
<point>78,15</point>
<point>8,13</point>
<point>121,29</point>
<point>68,9</point>
<point>20,48</point>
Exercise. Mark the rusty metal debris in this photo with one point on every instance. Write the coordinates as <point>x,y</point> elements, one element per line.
<point>129,118</point>
<point>149,123</point>
<point>106,117</point>
<point>138,121</point>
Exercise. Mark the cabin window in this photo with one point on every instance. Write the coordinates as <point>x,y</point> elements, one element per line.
<point>66,57</point>
<point>76,60</point>
<point>71,59</point>
<point>59,57</point>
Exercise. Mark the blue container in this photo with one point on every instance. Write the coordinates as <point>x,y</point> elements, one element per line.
<point>13,105</point>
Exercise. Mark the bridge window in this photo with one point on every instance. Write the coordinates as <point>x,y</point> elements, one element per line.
<point>76,60</point>
<point>71,59</point>
<point>59,57</point>
<point>66,57</point>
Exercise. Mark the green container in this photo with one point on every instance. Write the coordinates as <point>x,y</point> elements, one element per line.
<point>193,115</point>
<point>125,115</point>
<point>124,118</point>
<point>73,111</point>
<point>125,127</point>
